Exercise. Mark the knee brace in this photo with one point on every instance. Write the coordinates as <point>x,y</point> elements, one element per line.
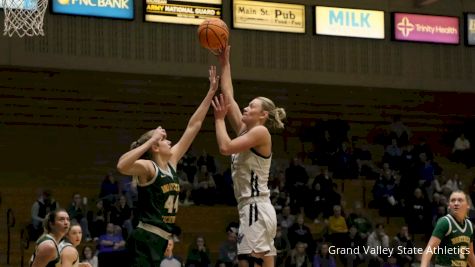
<point>251,260</point>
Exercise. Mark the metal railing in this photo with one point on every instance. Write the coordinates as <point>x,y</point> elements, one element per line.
<point>10,224</point>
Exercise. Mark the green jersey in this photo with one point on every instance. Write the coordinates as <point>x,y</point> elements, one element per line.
<point>455,241</point>
<point>53,263</point>
<point>158,199</point>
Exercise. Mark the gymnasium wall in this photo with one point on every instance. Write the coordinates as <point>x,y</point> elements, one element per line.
<point>83,43</point>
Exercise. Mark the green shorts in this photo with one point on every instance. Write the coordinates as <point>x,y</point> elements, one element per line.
<point>145,249</point>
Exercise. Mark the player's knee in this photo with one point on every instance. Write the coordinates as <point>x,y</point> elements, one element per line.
<point>252,261</point>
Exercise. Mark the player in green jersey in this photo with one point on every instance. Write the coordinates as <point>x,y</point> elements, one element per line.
<point>152,161</point>
<point>452,237</point>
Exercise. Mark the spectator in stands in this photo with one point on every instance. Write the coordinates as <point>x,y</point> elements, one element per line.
<point>112,240</point>
<point>385,192</point>
<point>454,183</point>
<point>77,211</point>
<point>426,175</point>
<point>392,154</point>
<point>188,162</point>
<point>109,190</point>
<point>337,228</point>
<point>299,232</point>
<point>42,206</point>
<point>343,165</point>
<point>100,217</point>
<point>399,131</point>
<point>391,262</point>
<point>298,257</point>
<point>285,219</point>
<point>333,198</point>
<point>358,220</point>
<point>198,254</point>
<point>364,161</point>
<point>461,150</point>
<point>228,249</point>
<point>169,260</point>
<point>88,256</point>
<point>324,178</point>
<point>204,187</point>
<point>121,214</point>
<point>353,241</point>
<point>418,213</point>
<point>377,241</point>
<point>185,187</point>
<point>208,161</point>
<point>322,257</point>
<point>315,203</point>
<point>282,246</point>
<point>423,147</point>
<point>296,179</point>
<point>403,240</point>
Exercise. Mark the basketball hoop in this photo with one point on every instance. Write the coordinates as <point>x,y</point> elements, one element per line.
<point>24,17</point>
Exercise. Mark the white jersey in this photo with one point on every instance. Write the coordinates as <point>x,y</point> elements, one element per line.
<point>250,172</point>
<point>62,245</point>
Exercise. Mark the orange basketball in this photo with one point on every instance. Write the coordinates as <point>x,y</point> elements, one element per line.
<point>213,35</point>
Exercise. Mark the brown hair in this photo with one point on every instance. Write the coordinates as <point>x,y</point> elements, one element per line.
<point>276,114</point>
<point>50,219</point>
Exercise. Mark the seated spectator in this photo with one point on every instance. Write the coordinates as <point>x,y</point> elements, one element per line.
<point>185,187</point>
<point>42,206</point>
<point>333,198</point>
<point>207,160</point>
<point>299,232</point>
<point>298,257</point>
<point>358,220</point>
<point>296,179</point>
<point>323,258</point>
<point>324,178</point>
<point>418,213</point>
<point>285,219</point>
<point>377,241</point>
<point>99,220</point>
<point>109,190</point>
<point>204,187</point>
<point>89,256</point>
<point>461,151</point>
<point>198,254</point>
<point>353,241</point>
<point>403,240</point>
<point>365,163</point>
<point>337,228</point>
<point>169,260</point>
<point>454,183</point>
<point>112,247</point>
<point>343,165</point>
<point>315,203</point>
<point>77,211</point>
<point>392,262</point>
<point>121,214</point>
<point>112,240</point>
<point>282,245</point>
<point>399,131</point>
<point>228,249</point>
<point>392,154</point>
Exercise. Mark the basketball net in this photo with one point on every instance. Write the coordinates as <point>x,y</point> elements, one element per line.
<point>24,17</point>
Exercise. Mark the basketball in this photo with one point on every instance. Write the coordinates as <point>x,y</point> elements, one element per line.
<point>213,34</point>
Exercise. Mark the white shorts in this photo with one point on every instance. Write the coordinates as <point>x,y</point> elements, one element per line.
<point>257,228</point>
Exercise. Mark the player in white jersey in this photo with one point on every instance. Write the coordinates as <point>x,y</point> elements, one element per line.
<point>67,247</point>
<point>251,154</point>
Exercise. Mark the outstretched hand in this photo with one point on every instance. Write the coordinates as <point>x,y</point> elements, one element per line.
<point>213,80</point>
<point>223,57</point>
<point>220,106</point>
<point>159,134</point>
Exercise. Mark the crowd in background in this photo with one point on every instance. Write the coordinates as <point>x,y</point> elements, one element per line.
<point>407,182</point>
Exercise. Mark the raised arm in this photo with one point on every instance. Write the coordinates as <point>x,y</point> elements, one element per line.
<point>256,137</point>
<point>429,250</point>
<point>234,114</point>
<point>130,162</point>
<point>196,120</point>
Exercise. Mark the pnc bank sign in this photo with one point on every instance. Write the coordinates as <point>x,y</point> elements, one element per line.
<point>349,22</point>
<point>121,9</point>
<point>425,28</point>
